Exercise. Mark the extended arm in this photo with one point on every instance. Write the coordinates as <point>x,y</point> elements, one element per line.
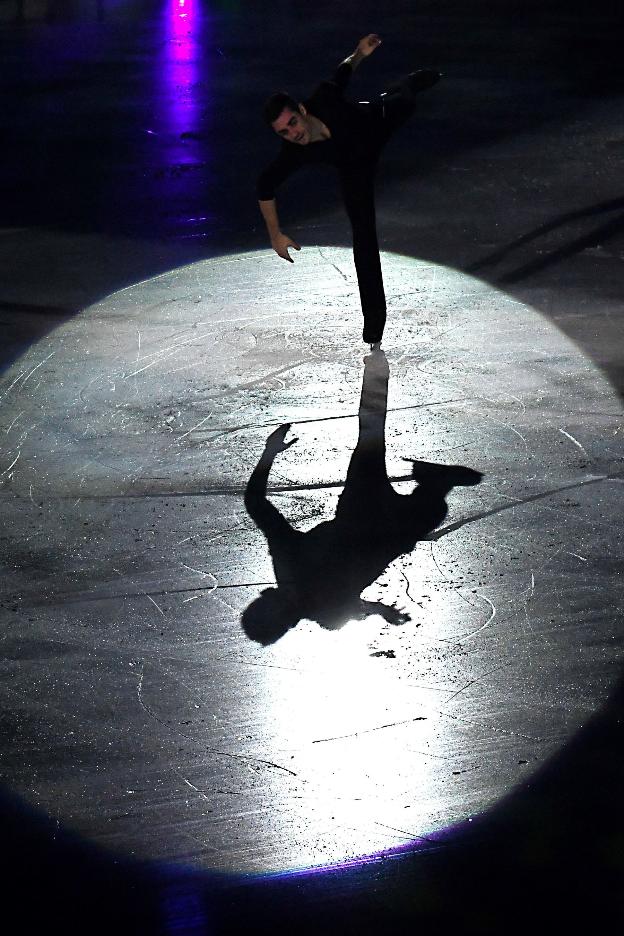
<point>280,242</point>
<point>262,512</point>
<point>363,49</point>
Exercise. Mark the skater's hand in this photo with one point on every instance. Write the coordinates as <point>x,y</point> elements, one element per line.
<point>280,245</point>
<point>275,443</point>
<point>368,44</point>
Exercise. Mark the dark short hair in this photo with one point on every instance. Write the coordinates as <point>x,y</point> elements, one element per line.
<point>275,105</point>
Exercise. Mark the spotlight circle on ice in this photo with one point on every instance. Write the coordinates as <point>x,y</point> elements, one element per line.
<point>130,433</point>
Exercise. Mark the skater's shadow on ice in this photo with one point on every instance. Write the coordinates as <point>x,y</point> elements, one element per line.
<point>321,573</point>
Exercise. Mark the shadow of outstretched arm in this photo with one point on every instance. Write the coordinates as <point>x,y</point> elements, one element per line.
<point>274,612</point>
<point>267,517</point>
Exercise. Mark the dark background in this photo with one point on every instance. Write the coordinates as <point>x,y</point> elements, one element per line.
<point>518,165</point>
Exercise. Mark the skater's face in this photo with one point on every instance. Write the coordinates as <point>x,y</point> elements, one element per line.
<point>292,126</point>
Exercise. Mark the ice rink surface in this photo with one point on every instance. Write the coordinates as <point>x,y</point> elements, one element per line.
<point>446,751</point>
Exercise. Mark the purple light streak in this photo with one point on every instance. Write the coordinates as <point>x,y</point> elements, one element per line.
<point>180,72</point>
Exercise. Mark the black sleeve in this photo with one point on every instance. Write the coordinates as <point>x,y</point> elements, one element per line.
<point>264,514</point>
<point>276,172</point>
<point>342,75</point>
<point>331,90</point>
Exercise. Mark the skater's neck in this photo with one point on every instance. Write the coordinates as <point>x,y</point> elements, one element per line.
<point>318,130</point>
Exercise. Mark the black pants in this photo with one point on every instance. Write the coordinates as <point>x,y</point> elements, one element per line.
<point>389,112</point>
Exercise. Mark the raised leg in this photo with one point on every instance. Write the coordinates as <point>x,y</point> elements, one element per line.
<point>397,104</point>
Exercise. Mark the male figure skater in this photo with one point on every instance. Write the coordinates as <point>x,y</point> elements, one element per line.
<point>329,129</point>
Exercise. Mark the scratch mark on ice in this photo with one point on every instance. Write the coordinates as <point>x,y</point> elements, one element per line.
<point>412,836</point>
<point>157,606</point>
<point>196,789</point>
<point>250,757</point>
<point>355,734</point>
<point>15,460</point>
<point>10,426</point>
<point>143,705</point>
<point>331,263</point>
<point>201,572</point>
<point>473,682</point>
<point>465,636</point>
<point>200,423</point>
<point>407,584</point>
<point>575,441</point>
<point>29,374</point>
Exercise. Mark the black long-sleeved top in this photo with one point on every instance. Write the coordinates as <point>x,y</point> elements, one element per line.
<point>352,141</point>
